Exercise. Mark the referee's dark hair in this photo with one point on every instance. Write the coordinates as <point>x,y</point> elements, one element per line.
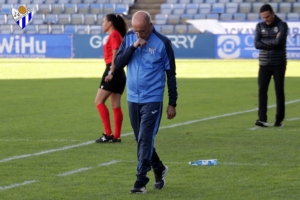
<point>266,7</point>
<point>118,23</point>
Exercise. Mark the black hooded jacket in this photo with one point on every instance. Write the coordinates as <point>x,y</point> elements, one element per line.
<point>272,48</point>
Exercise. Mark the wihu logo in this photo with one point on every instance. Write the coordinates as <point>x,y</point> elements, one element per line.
<point>22,16</point>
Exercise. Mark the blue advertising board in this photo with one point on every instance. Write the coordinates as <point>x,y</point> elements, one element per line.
<point>89,46</point>
<point>185,46</point>
<point>242,46</point>
<point>193,45</point>
<point>36,46</point>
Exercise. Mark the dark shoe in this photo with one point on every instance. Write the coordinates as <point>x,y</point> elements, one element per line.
<point>115,140</point>
<point>160,180</point>
<point>104,138</point>
<point>138,188</point>
<point>278,124</point>
<point>261,123</point>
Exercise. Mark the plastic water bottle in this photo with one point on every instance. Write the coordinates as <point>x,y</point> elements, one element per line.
<point>210,162</point>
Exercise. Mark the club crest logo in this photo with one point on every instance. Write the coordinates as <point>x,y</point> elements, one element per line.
<point>22,16</point>
<point>152,50</point>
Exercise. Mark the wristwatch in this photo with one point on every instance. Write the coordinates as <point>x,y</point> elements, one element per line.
<point>110,73</point>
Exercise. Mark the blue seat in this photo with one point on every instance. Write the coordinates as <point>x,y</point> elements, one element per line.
<point>12,2</point>
<point>25,2</point>
<point>184,1</point>
<point>178,9</point>
<point>231,7</point>
<point>129,2</point>
<point>63,1</point>
<point>63,19</point>
<point>70,8</point>
<point>226,16</point>
<point>160,19</point>
<point>43,29</point>
<point>166,8</point>
<point>51,18</point>
<point>185,17</point>
<point>95,29</point>
<point>76,19</point>
<point>38,19</point>
<point>205,8</point>
<point>75,1</point>
<point>89,19</point>
<point>99,19</point>
<point>239,16</point>
<point>171,1</point>
<point>6,29</point>
<point>245,7</point>
<point>122,9</point>
<point>57,8</point>
<point>108,8</point>
<point>70,29</point>
<point>167,29</point>
<point>83,8</point>
<point>293,16</point>
<point>44,9</point>
<point>192,29</point>
<point>212,16</point>
<point>200,16</point>
<point>173,19</point>
<point>256,6</point>
<point>285,7</point>
<point>191,8</point>
<point>31,29</point>
<point>6,9</point>
<point>218,8</point>
<point>253,16</point>
<point>180,29</point>
<point>96,8</point>
<point>296,7</point>
<point>83,29</point>
<point>211,1</point>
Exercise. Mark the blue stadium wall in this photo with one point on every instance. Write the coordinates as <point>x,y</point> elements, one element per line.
<point>190,46</point>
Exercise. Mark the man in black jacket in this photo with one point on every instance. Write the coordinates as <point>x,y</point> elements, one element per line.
<point>270,39</point>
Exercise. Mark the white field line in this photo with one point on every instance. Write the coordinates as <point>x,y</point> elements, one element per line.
<point>17,185</point>
<point>27,140</point>
<point>88,168</point>
<point>126,134</point>
<point>74,171</point>
<point>45,152</point>
<point>244,164</point>
<point>293,119</point>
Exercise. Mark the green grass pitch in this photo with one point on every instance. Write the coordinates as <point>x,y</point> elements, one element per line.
<point>48,124</point>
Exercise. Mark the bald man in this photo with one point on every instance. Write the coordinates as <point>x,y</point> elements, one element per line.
<point>150,61</point>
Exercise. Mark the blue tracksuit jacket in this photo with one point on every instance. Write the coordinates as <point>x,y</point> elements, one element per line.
<point>147,68</point>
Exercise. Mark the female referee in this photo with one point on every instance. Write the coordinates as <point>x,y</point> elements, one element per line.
<point>113,82</point>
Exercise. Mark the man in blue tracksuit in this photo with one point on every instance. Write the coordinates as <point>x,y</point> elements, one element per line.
<point>150,59</point>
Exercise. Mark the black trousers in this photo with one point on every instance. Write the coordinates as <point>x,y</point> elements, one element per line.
<point>264,76</point>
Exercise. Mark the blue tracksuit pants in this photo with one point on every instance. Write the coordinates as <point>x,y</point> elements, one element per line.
<point>145,120</point>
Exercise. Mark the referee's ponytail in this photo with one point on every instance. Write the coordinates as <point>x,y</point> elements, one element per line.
<point>118,23</point>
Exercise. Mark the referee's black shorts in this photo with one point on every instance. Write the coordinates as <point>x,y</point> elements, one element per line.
<point>118,82</point>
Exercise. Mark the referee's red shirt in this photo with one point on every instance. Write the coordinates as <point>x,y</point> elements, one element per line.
<point>113,42</point>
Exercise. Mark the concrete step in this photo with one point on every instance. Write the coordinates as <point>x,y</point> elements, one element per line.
<point>152,12</point>
<point>146,6</point>
<point>150,1</point>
